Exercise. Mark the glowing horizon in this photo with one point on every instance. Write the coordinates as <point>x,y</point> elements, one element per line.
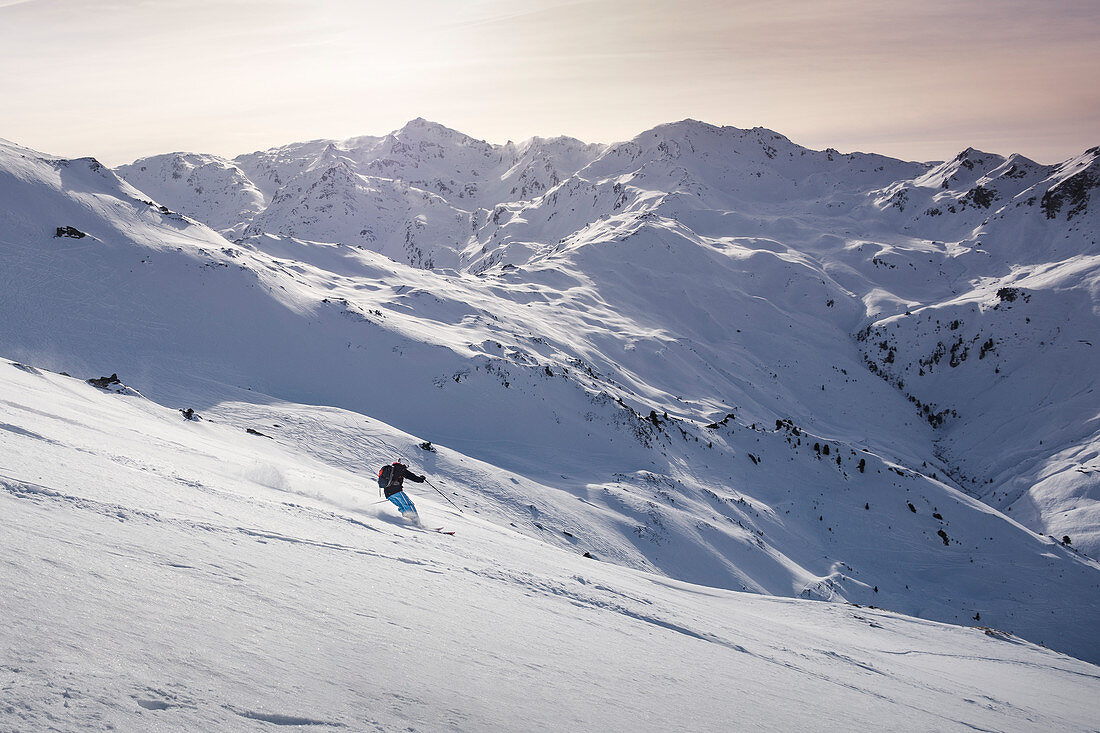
<point>120,79</point>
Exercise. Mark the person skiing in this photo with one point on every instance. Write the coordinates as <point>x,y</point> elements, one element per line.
<point>391,479</point>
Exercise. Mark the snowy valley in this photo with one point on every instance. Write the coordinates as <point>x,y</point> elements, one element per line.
<point>683,388</point>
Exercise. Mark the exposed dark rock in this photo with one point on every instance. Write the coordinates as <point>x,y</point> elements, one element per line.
<point>979,196</point>
<point>1072,193</point>
<point>104,382</point>
<point>70,232</point>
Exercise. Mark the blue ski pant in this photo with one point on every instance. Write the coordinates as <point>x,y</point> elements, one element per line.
<point>403,503</point>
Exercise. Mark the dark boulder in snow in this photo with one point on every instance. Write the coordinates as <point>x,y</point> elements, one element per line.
<point>113,384</point>
<point>71,232</point>
<point>105,382</point>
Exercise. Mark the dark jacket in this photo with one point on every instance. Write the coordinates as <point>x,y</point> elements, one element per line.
<point>398,476</point>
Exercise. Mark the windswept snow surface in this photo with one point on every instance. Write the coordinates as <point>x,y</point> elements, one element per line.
<point>161,573</point>
<point>708,354</point>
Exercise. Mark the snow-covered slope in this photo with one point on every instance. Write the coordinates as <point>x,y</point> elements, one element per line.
<point>330,202</point>
<point>666,352</point>
<point>203,186</point>
<point>1005,362</point>
<point>165,573</point>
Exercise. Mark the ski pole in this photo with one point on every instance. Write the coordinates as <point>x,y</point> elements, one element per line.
<point>456,506</point>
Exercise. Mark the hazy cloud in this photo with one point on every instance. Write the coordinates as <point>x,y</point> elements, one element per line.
<point>920,80</point>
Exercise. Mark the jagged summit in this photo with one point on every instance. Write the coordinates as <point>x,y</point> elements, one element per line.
<point>549,144</point>
<point>205,187</point>
<point>713,137</point>
<point>1074,184</point>
<point>962,171</point>
<point>1022,161</point>
<point>420,131</point>
<point>333,157</point>
<point>419,125</point>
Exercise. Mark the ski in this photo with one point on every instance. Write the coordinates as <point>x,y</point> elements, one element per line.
<point>443,531</point>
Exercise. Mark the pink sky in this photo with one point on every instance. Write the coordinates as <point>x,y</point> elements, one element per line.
<point>119,79</point>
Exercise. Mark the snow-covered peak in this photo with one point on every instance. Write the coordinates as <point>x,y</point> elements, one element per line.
<point>420,129</point>
<point>205,187</point>
<point>361,142</point>
<point>1016,167</point>
<point>270,169</point>
<point>550,145</point>
<point>422,143</point>
<point>331,202</point>
<point>692,138</point>
<point>725,165</point>
<point>1072,187</point>
<point>540,164</point>
<point>332,157</point>
<point>962,171</point>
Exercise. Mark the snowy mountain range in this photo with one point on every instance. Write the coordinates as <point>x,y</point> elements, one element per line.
<point>919,261</point>
<point>707,354</point>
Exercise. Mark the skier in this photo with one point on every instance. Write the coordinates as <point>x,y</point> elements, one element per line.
<point>391,479</point>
